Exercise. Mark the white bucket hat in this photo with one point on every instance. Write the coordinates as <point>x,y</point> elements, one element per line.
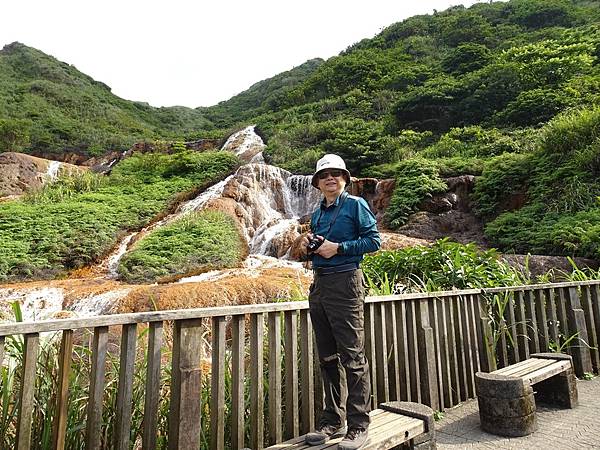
<point>330,162</point>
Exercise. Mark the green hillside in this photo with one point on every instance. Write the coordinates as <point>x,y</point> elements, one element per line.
<point>48,106</point>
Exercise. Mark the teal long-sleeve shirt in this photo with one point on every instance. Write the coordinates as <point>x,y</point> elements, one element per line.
<point>354,229</point>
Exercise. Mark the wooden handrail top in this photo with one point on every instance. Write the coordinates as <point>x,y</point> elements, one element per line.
<point>10,328</point>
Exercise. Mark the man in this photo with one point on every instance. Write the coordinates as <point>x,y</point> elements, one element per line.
<point>343,229</point>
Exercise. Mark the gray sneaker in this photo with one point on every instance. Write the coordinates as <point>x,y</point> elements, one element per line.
<point>356,438</point>
<point>324,433</point>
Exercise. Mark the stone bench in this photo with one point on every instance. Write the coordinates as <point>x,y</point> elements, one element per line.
<point>395,425</point>
<point>506,396</point>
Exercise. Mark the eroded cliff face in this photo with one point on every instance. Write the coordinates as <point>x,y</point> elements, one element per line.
<point>20,173</point>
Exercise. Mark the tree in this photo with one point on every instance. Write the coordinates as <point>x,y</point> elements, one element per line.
<point>14,135</point>
<point>466,58</point>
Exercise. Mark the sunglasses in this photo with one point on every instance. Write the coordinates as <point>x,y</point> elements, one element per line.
<point>334,173</point>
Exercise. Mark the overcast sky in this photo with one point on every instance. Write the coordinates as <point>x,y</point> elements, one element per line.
<point>196,53</point>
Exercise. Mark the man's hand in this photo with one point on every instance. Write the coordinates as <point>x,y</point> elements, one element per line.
<point>327,249</point>
<point>304,242</point>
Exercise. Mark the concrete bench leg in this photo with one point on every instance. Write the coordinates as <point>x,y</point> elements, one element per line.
<point>425,441</point>
<point>506,405</point>
<point>561,389</point>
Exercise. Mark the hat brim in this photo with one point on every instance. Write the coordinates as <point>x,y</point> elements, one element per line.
<point>315,179</point>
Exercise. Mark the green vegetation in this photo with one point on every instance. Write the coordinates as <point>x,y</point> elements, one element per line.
<point>443,266</point>
<point>561,181</point>
<point>76,221</point>
<point>204,241</point>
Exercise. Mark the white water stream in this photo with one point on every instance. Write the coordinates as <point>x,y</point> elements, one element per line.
<point>53,168</point>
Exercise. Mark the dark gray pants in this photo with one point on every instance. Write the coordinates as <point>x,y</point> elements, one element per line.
<point>337,314</point>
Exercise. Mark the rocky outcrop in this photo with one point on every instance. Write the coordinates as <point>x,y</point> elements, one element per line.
<point>20,173</point>
<point>448,214</point>
<point>532,266</point>
<point>377,193</point>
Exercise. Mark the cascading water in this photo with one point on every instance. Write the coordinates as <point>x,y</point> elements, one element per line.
<point>273,200</point>
<point>53,168</point>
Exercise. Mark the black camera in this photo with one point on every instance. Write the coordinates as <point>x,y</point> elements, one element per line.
<point>314,243</point>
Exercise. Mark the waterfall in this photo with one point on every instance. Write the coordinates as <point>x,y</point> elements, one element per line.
<point>52,172</point>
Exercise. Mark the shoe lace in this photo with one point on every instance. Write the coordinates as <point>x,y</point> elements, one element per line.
<point>353,433</point>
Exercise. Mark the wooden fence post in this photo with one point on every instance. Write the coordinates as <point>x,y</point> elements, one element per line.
<point>486,343</point>
<point>186,383</point>
<point>429,385</point>
<point>26,400</point>
<point>576,324</point>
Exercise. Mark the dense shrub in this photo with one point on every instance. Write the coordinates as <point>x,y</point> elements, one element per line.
<point>502,177</point>
<point>203,241</point>
<point>415,180</point>
<point>443,266</point>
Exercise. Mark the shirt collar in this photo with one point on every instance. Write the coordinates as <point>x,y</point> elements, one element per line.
<point>335,203</point>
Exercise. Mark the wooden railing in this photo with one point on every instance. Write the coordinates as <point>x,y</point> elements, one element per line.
<point>421,347</point>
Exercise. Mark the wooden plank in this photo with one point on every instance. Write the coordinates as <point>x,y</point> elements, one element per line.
<point>533,326</point>
<point>460,346</point>
<point>152,398</point>
<point>521,325</point>
<point>125,389</point>
<point>540,310</point>
<point>503,331</point>
<point>94,407</point>
<point>520,369</point>
<point>292,421</point>
<point>517,366</point>
<point>453,356</point>
<point>237,381</point>
<point>319,397</point>
<point>383,391</point>
<point>393,438</point>
<point>547,372</point>
<point>393,362</point>
<point>445,353</point>
<point>387,430</point>
<point>437,327</point>
<point>426,344</point>
<point>371,351</point>
<point>306,374</point>
<point>469,347</point>
<point>586,304</point>
<point>217,385</point>
<point>576,325</point>
<point>256,384</point>
<point>552,317</point>
<point>595,305</point>
<point>402,343</point>
<point>275,422</point>
<point>26,393</point>
<point>563,326</point>
<point>59,426</point>
<point>540,364</point>
<point>513,350</point>
<point>413,346</point>
<point>473,326</point>
<point>185,407</point>
<point>483,310</point>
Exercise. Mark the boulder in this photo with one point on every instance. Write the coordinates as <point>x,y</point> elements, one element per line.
<point>20,173</point>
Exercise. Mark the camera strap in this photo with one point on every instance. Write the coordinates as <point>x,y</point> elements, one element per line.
<point>343,196</point>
